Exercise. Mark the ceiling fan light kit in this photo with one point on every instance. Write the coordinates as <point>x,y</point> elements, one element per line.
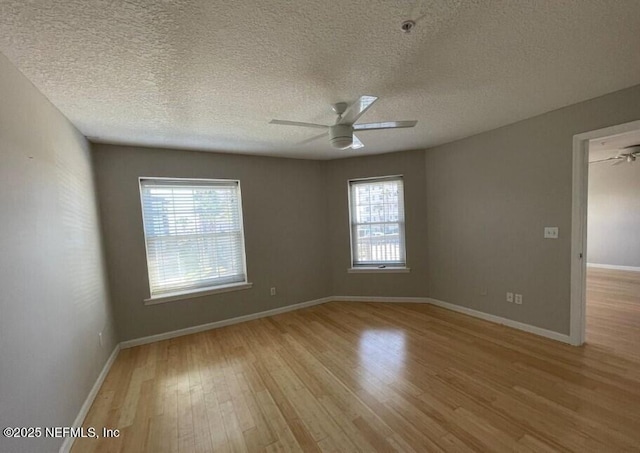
<point>341,134</point>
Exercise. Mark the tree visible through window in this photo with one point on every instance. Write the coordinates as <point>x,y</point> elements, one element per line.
<point>194,234</point>
<point>377,222</point>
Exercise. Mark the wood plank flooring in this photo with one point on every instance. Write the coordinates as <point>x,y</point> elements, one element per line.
<point>382,377</point>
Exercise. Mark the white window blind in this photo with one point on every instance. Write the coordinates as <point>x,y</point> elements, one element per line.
<point>194,235</point>
<point>377,222</point>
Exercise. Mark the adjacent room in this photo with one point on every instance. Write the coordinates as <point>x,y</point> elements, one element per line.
<point>613,259</point>
<point>319,226</point>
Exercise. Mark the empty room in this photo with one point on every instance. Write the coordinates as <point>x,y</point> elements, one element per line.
<point>329,226</point>
<point>613,260</point>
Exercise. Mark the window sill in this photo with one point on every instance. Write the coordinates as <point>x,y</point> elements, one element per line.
<point>197,293</point>
<point>379,270</point>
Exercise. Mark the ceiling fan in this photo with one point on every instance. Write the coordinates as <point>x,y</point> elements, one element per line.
<point>630,156</point>
<point>341,134</point>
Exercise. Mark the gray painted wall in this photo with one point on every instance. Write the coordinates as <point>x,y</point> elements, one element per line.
<point>53,297</point>
<point>614,214</point>
<point>489,197</point>
<point>285,234</point>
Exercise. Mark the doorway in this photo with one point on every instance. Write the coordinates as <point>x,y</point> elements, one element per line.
<point>604,144</point>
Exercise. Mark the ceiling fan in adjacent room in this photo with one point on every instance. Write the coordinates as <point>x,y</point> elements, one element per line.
<point>341,134</point>
<point>631,154</point>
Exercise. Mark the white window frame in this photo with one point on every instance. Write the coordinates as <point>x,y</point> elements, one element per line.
<point>376,267</point>
<point>197,291</point>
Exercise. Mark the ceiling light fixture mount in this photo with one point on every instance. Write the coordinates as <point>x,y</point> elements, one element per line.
<point>339,108</point>
<point>407,26</point>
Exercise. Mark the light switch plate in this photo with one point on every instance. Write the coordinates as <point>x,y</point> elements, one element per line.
<point>551,232</point>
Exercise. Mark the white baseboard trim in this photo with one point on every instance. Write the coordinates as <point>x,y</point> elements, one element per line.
<point>414,300</point>
<point>614,267</point>
<point>218,324</point>
<point>68,441</point>
<point>504,321</point>
<point>421,300</point>
<point>464,310</point>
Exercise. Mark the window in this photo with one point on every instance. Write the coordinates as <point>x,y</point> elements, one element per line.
<point>194,235</point>
<point>377,222</point>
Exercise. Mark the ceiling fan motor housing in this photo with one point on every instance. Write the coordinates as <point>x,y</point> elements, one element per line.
<point>341,136</point>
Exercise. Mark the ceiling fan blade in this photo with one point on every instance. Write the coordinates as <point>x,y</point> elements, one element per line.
<point>383,125</point>
<point>298,123</point>
<point>309,140</point>
<point>357,109</point>
<point>620,161</point>
<point>357,144</point>
<point>604,160</point>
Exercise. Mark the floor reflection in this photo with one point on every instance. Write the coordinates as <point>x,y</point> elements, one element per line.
<point>382,356</point>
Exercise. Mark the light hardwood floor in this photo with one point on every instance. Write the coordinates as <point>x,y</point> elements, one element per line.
<point>382,377</point>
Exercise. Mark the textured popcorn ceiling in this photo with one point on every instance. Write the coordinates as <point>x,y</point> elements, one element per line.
<point>210,74</point>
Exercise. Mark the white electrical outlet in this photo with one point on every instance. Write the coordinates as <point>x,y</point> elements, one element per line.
<point>509,297</point>
<point>519,299</point>
<point>273,291</point>
<point>100,338</point>
<point>551,232</point>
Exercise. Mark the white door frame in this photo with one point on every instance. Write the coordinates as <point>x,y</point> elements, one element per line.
<point>579,224</point>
